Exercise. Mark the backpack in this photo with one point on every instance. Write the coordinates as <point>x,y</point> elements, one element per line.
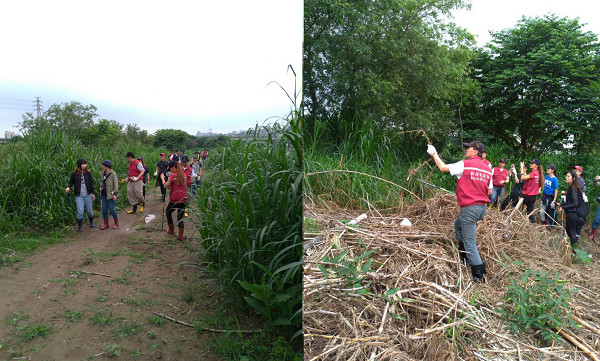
<point>583,209</point>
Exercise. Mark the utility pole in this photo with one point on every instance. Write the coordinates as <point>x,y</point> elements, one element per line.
<point>38,106</point>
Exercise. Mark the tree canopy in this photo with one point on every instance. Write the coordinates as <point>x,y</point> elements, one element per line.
<point>540,85</point>
<point>397,62</point>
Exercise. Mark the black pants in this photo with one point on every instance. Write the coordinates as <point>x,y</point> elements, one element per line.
<point>513,199</point>
<point>573,226</point>
<point>180,207</point>
<point>529,201</point>
<point>163,190</point>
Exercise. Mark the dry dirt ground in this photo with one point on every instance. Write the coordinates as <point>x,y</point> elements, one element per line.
<point>98,294</point>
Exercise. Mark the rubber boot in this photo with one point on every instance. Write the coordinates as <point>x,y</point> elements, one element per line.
<point>185,213</point>
<point>180,236</point>
<point>544,222</point>
<point>171,229</point>
<point>105,226</point>
<point>133,209</point>
<point>478,273</point>
<point>462,253</point>
<point>79,224</point>
<point>116,223</point>
<point>592,234</point>
<point>142,208</point>
<point>92,223</point>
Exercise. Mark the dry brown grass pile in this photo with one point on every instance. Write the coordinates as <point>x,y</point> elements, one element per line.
<point>437,313</point>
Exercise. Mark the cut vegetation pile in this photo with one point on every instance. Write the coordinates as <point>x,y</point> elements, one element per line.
<point>380,291</point>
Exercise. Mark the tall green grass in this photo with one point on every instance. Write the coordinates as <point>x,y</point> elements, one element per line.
<point>250,208</point>
<point>35,172</point>
<point>375,151</point>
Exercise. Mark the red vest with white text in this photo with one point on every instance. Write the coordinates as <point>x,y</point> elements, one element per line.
<point>472,187</point>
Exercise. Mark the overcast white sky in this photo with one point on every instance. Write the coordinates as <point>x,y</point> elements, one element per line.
<point>486,15</point>
<point>190,65</point>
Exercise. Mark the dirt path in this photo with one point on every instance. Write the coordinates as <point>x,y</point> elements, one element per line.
<point>88,314</point>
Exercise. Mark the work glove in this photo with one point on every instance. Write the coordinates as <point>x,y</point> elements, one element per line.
<point>563,198</point>
<point>134,179</point>
<point>431,149</point>
<point>585,199</point>
<point>553,205</point>
<point>155,174</point>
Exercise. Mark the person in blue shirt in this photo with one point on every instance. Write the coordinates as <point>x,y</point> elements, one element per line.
<point>548,203</point>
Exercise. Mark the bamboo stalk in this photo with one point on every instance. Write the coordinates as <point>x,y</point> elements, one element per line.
<point>580,344</point>
<point>203,328</point>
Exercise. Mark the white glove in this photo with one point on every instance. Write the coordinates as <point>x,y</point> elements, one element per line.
<point>155,174</point>
<point>431,149</point>
<point>553,204</point>
<point>585,199</point>
<point>563,198</point>
<point>135,179</point>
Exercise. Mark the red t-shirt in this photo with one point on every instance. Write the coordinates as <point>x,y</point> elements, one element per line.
<point>499,175</point>
<point>188,175</point>
<point>178,193</point>
<point>532,185</point>
<point>472,186</point>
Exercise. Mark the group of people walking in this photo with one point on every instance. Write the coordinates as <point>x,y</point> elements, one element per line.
<point>480,185</point>
<point>179,176</point>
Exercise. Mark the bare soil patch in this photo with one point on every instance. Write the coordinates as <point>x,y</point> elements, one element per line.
<point>103,289</point>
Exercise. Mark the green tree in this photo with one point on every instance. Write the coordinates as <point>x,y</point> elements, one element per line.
<point>105,132</point>
<point>72,118</point>
<point>133,134</point>
<point>170,138</point>
<point>540,85</point>
<point>397,62</point>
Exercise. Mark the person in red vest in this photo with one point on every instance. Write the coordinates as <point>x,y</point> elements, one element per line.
<point>531,187</point>
<point>499,180</point>
<point>135,186</point>
<point>484,159</point>
<point>178,197</point>
<point>473,188</point>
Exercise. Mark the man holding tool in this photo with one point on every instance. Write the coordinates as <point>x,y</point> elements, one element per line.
<point>473,188</point>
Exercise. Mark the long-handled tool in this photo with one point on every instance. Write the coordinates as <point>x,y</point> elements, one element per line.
<point>434,186</point>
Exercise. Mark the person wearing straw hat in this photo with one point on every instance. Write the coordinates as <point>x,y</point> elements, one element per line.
<point>473,188</point>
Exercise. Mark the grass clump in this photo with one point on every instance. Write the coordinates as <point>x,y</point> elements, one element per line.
<point>103,317</point>
<point>156,320</point>
<point>126,329</point>
<point>538,303</point>
<point>73,316</point>
<point>261,347</point>
<point>31,332</point>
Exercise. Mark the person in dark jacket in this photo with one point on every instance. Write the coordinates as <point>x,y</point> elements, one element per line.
<point>569,205</point>
<point>83,186</point>
<point>517,189</point>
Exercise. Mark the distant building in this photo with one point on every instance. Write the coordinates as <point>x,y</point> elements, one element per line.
<point>8,135</point>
